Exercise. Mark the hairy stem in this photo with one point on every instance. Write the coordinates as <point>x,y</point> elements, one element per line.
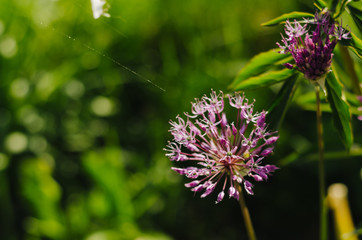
<point>322,184</point>
<point>246,215</point>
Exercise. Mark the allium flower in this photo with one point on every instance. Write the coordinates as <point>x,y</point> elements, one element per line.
<point>312,50</point>
<point>218,151</point>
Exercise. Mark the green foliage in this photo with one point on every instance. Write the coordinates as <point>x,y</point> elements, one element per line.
<point>356,15</point>
<point>286,16</point>
<point>81,133</point>
<point>340,110</point>
<point>333,5</point>
<point>107,170</point>
<point>43,194</point>
<point>282,101</point>
<point>320,4</point>
<point>355,44</point>
<point>259,73</point>
<point>265,79</point>
<point>341,5</point>
<point>258,64</point>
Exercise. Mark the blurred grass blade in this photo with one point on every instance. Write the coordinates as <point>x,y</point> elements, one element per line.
<point>257,65</point>
<point>265,79</point>
<point>280,105</point>
<point>107,171</point>
<point>340,109</point>
<point>43,194</point>
<point>356,15</point>
<point>286,16</point>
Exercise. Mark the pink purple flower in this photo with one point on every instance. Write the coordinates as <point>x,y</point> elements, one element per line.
<point>359,108</point>
<point>218,152</point>
<point>312,44</point>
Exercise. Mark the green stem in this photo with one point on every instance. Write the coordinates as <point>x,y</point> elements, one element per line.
<point>246,215</point>
<point>322,184</point>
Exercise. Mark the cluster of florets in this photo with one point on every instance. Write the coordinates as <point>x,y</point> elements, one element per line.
<point>312,53</point>
<point>219,151</point>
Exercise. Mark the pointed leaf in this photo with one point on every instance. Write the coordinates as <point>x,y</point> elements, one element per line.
<point>106,169</point>
<point>280,105</point>
<point>340,109</point>
<point>340,9</point>
<point>356,15</point>
<point>307,101</point>
<point>333,5</point>
<point>354,44</point>
<point>320,4</point>
<point>286,16</point>
<point>265,79</point>
<point>258,64</point>
<point>306,156</point>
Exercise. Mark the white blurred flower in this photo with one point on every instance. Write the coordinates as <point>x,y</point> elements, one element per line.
<point>99,8</point>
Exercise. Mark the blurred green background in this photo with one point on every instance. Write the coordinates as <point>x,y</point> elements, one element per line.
<point>81,137</point>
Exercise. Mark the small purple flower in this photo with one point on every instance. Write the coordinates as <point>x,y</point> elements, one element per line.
<point>359,108</point>
<point>218,151</point>
<point>312,44</point>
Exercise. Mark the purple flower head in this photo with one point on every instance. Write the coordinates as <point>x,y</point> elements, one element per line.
<point>218,151</point>
<point>312,45</point>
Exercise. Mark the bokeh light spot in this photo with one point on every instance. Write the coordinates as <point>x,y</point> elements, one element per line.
<point>102,106</point>
<point>74,89</point>
<point>31,119</point>
<point>16,142</point>
<point>19,88</point>
<point>37,144</point>
<point>8,47</point>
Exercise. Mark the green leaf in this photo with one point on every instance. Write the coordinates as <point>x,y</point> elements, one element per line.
<point>280,105</point>
<point>340,8</point>
<point>354,44</point>
<point>265,79</point>
<point>333,5</point>
<point>307,101</point>
<point>291,15</point>
<point>340,109</point>
<point>320,4</point>
<point>357,16</point>
<point>306,157</point>
<point>258,64</point>
<point>106,168</point>
<point>43,194</point>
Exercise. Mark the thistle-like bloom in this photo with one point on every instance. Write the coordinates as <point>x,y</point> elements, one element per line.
<point>312,50</point>
<point>218,151</point>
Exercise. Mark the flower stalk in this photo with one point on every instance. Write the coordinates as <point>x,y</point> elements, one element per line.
<point>322,184</point>
<point>246,215</point>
